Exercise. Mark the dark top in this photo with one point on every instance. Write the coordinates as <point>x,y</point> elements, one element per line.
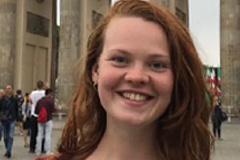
<point>9,107</point>
<point>19,101</point>
<point>48,103</point>
<point>217,111</point>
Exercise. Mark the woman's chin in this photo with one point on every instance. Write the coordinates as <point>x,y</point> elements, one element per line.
<point>132,121</point>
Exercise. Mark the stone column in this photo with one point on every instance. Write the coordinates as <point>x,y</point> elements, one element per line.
<point>68,50</point>
<point>7,41</point>
<point>230,52</point>
<point>54,62</point>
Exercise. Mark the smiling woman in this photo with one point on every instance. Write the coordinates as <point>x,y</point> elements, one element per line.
<point>141,93</point>
<point>134,73</point>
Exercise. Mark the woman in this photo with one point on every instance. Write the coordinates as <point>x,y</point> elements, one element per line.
<point>20,101</point>
<point>26,111</point>
<point>216,118</point>
<point>141,93</point>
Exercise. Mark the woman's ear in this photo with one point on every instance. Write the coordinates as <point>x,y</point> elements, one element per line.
<point>95,74</point>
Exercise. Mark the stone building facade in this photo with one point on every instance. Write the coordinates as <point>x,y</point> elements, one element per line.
<point>25,43</point>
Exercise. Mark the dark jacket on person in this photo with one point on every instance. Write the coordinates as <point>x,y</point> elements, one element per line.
<point>48,103</point>
<point>217,112</point>
<point>9,108</point>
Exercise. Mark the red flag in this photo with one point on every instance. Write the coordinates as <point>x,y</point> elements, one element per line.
<point>219,92</point>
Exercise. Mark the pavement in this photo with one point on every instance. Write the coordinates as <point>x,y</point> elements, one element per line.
<point>227,149</point>
<point>21,153</point>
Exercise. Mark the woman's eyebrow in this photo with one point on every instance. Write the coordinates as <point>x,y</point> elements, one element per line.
<point>151,55</point>
<point>159,55</point>
<point>122,51</point>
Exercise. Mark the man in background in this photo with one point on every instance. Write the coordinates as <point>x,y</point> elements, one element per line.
<point>45,125</point>
<point>34,97</point>
<point>9,109</point>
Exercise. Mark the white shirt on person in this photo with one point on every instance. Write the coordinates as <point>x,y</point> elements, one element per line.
<point>35,96</point>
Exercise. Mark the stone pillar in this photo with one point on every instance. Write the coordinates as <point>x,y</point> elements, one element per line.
<point>54,62</point>
<point>230,52</point>
<point>68,50</point>
<point>7,41</point>
<point>78,18</point>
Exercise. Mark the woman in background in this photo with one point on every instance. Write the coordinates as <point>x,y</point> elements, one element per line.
<point>26,111</point>
<point>216,118</point>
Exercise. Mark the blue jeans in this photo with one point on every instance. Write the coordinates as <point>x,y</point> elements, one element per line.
<point>44,129</point>
<point>8,129</point>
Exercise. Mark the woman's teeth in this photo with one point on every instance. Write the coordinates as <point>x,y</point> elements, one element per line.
<point>134,96</point>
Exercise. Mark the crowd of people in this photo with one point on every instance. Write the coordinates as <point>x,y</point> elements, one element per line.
<point>31,114</point>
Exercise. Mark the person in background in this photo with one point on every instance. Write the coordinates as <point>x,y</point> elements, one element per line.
<point>141,92</point>
<point>45,128</point>
<point>26,111</point>
<point>216,118</point>
<point>19,122</point>
<point>34,97</point>
<point>1,128</point>
<point>9,108</point>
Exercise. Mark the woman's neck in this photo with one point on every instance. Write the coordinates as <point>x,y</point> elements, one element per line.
<point>127,142</point>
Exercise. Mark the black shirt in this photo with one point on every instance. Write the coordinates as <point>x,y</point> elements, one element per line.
<point>9,107</point>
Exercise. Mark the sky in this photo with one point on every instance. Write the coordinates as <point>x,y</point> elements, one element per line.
<point>204,26</point>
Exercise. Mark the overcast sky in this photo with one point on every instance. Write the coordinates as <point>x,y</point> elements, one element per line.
<point>204,24</point>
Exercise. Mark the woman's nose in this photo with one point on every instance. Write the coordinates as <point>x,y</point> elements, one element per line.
<point>137,75</point>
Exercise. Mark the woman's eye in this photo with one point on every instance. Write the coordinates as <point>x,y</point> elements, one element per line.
<point>157,66</point>
<point>120,60</point>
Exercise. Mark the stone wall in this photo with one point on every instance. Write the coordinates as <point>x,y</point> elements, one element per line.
<point>7,41</point>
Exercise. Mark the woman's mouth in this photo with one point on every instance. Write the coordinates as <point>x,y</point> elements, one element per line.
<point>135,96</point>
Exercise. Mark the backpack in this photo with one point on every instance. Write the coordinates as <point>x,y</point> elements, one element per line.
<point>42,116</point>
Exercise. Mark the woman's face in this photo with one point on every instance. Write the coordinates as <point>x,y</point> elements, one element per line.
<point>134,74</point>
